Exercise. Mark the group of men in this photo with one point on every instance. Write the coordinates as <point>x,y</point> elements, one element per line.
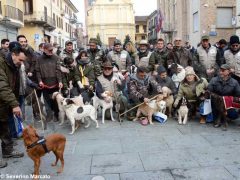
<point>132,77</point>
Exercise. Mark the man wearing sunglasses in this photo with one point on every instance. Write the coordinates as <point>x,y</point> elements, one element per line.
<point>232,57</point>
<point>49,79</point>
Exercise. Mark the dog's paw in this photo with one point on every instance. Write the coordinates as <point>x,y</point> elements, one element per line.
<point>71,133</point>
<point>184,123</point>
<point>151,123</point>
<point>113,120</point>
<point>60,124</point>
<point>179,122</point>
<point>135,119</point>
<point>53,164</point>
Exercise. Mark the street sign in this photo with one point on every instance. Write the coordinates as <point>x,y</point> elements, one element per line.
<point>212,33</point>
<point>36,36</point>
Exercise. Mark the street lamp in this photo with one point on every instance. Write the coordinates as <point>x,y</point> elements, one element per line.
<point>6,20</point>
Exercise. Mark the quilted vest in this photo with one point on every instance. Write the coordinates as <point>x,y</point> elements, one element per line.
<point>120,59</point>
<point>144,61</point>
<point>208,60</point>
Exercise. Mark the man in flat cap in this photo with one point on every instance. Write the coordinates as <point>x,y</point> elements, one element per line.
<point>68,51</point>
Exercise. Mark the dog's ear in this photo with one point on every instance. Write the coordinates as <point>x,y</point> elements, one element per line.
<point>69,101</point>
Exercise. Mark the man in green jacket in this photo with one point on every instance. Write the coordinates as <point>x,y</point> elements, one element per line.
<point>9,105</point>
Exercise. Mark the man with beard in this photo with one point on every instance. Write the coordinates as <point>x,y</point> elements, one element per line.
<point>159,56</point>
<point>232,57</point>
<point>120,57</point>
<point>96,56</point>
<point>49,79</point>
<point>143,55</point>
<point>68,51</point>
<point>9,91</point>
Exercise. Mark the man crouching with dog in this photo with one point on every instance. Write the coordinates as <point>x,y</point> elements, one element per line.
<point>9,92</point>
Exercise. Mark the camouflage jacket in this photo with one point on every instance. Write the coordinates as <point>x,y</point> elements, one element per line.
<point>96,58</point>
<point>64,54</point>
<point>158,58</point>
<point>139,89</point>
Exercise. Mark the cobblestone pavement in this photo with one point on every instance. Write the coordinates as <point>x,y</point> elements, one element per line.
<point>131,151</point>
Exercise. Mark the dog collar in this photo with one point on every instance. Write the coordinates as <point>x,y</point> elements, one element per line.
<point>40,141</point>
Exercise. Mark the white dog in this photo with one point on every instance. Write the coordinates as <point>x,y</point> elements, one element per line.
<point>74,112</point>
<point>183,112</point>
<point>59,98</point>
<point>162,106</point>
<point>105,105</point>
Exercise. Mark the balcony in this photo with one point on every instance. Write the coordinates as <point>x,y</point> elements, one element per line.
<point>73,19</point>
<point>168,27</point>
<point>42,19</point>
<point>14,15</point>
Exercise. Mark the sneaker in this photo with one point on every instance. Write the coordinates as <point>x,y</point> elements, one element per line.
<point>3,163</point>
<point>13,154</point>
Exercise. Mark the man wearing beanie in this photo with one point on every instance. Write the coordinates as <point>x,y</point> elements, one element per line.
<point>232,57</point>
<point>163,79</point>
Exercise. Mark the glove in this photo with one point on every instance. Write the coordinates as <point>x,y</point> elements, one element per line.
<point>175,103</point>
<point>80,85</point>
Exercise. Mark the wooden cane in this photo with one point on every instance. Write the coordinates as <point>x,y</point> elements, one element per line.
<point>41,118</point>
<point>138,105</point>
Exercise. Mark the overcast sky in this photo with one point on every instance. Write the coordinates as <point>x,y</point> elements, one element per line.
<point>141,7</point>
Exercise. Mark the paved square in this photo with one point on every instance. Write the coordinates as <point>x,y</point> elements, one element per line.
<point>134,152</point>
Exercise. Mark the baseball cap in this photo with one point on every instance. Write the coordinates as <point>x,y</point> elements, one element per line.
<point>225,66</point>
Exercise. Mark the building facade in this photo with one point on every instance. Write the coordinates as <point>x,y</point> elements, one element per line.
<point>152,27</point>
<point>237,18</point>
<point>110,19</point>
<point>141,28</point>
<point>11,18</point>
<point>52,21</point>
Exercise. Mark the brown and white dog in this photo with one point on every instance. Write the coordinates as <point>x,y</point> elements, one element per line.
<point>104,104</point>
<point>37,147</point>
<point>168,98</point>
<point>148,109</point>
<point>182,111</point>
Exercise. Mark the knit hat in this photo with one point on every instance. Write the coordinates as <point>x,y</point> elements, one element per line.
<point>161,69</point>
<point>234,40</point>
<point>13,45</point>
<point>189,71</point>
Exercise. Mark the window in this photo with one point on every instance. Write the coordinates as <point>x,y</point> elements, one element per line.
<point>66,27</point>
<point>144,28</point>
<point>224,17</point>
<point>0,7</point>
<point>57,20</point>
<point>143,37</point>
<point>137,28</point>
<point>195,22</point>
<point>54,20</point>
<point>28,6</point>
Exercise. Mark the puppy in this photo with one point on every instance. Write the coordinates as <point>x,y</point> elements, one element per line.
<point>74,112</point>
<point>168,98</point>
<point>183,111</point>
<point>148,109</point>
<point>37,147</point>
<point>59,98</point>
<point>105,105</point>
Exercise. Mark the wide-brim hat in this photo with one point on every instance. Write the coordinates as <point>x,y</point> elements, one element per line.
<point>143,42</point>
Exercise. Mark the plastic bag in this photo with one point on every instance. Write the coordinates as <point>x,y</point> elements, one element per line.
<point>18,125</point>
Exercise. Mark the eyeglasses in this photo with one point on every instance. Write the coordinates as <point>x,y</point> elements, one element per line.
<point>107,68</point>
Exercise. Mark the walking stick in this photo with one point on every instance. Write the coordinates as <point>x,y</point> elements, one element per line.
<point>43,123</point>
<point>138,105</point>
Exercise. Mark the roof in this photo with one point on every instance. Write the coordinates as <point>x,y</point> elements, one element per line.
<point>141,18</point>
<point>70,4</point>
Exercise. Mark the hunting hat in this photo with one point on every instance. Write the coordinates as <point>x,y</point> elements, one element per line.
<point>107,64</point>
<point>225,66</point>
<point>93,40</point>
<point>189,71</point>
<point>143,42</point>
<point>234,40</point>
<point>205,37</point>
<point>68,42</point>
<point>48,46</point>
<point>117,42</point>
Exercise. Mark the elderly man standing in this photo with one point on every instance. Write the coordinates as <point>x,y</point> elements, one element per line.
<point>207,59</point>
<point>120,57</point>
<point>9,90</point>
<point>143,55</point>
<point>180,55</point>
<point>68,51</point>
<point>232,57</point>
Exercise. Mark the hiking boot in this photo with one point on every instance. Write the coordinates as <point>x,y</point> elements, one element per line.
<point>3,163</point>
<point>202,120</point>
<point>13,154</point>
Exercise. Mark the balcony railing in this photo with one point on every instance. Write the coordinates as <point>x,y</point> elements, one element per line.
<point>73,19</point>
<point>13,13</point>
<point>39,17</point>
<point>168,27</point>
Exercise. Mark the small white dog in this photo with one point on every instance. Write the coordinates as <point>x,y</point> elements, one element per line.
<point>74,112</point>
<point>59,98</point>
<point>183,112</point>
<point>162,106</point>
<point>105,105</point>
